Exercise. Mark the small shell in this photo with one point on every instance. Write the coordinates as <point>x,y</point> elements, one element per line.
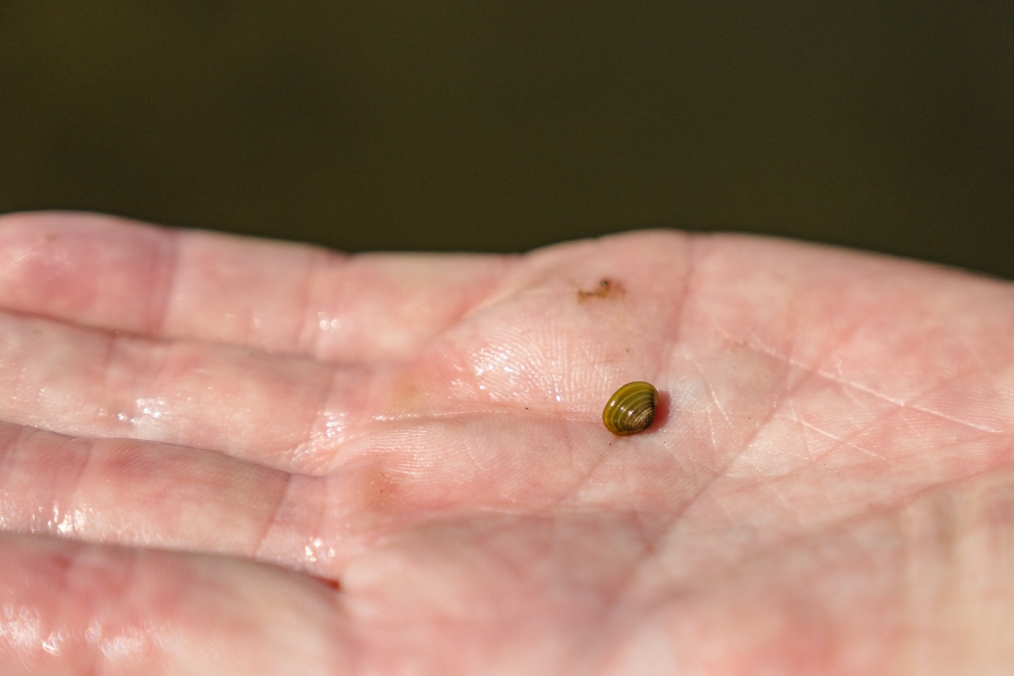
<point>631,409</point>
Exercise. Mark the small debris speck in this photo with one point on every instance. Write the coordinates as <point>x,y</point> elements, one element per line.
<point>607,288</point>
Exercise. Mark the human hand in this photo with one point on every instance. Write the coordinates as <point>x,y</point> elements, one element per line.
<point>228,456</point>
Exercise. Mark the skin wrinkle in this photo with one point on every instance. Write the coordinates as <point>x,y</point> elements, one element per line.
<point>852,394</point>
<point>163,289</point>
<point>324,511</point>
<point>88,456</point>
<point>5,459</point>
<point>310,441</point>
<point>283,495</point>
<point>19,384</point>
<point>694,468</point>
<point>974,354</point>
<point>768,485</point>
<point>718,405</point>
<point>486,297</point>
<point>106,391</point>
<point>815,371</point>
<point>527,276</point>
<point>482,300</point>
<point>791,331</point>
<point>471,456</point>
<point>694,498</point>
<point>154,375</point>
<point>729,518</point>
<point>941,386</point>
<point>711,422</point>
<point>907,421</point>
<point>341,449</point>
<point>916,432</point>
<point>512,265</point>
<point>115,357</point>
<point>690,254</point>
<point>900,404</point>
<point>808,454</point>
<point>721,470</point>
<point>583,479</point>
<point>938,414</point>
<point>788,392</point>
<point>702,488</point>
<point>880,420</point>
<point>492,408</point>
<point>845,383</point>
<point>308,335</point>
<point>842,441</point>
<point>846,526</point>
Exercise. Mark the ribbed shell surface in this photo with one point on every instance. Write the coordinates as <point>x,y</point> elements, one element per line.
<point>631,409</point>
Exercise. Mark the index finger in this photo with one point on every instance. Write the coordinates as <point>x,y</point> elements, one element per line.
<point>120,275</point>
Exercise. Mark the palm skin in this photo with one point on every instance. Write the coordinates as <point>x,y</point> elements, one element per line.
<point>226,456</point>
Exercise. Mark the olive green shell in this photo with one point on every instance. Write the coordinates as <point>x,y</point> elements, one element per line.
<point>631,409</point>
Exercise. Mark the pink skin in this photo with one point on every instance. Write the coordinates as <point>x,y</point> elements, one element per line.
<point>229,456</point>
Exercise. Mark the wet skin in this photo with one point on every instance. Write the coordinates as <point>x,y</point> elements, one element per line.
<point>221,455</point>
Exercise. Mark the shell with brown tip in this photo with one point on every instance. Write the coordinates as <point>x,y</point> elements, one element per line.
<point>631,409</point>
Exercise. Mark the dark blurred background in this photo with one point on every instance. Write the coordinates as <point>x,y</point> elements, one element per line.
<point>502,126</point>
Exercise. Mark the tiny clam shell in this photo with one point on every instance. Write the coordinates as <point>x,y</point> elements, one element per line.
<point>631,409</point>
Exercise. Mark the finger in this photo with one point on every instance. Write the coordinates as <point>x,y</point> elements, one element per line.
<point>271,409</point>
<point>70,609</point>
<point>545,351</point>
<point>156,495</point>
<point>140,494</point>
<point>130,493</point>
<point>119,275</point>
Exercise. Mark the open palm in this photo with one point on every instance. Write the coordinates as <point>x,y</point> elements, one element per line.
<point>228,456</point>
